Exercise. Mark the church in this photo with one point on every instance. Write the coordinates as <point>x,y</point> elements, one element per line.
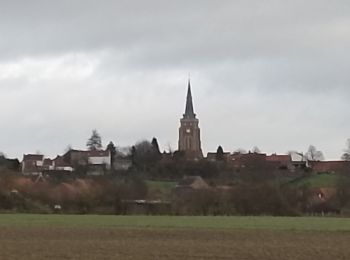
<point>189,132</point>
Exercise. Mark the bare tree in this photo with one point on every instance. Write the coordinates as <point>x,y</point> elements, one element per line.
<point>256,149</point>
<point>240,150</point>
<point>346,155</point>
<point>68,148</point>
<point>313,154</point>
<point>170,149</point>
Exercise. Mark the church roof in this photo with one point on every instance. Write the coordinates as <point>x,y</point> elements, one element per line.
<point>189,111</point>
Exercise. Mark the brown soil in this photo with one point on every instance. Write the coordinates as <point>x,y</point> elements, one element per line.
<point>102,243</point>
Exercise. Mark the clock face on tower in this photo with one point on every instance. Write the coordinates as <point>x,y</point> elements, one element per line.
<point>188,130</point>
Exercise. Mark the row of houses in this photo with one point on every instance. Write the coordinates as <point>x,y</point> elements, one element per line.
<point>98,162</point>
<point>330,166</point>
<point>289,162</point>
<point>252,159</point>
<point>95,162</point>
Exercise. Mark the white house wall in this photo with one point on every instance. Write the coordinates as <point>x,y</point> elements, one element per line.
<point>100,160</point>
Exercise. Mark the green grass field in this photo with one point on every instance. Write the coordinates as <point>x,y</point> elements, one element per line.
<point>318,180</point>
<point>161,185</point>
<point>162,188</point>
<point>179,222</point>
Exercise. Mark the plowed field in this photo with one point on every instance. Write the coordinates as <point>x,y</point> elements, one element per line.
<point>52,241</point>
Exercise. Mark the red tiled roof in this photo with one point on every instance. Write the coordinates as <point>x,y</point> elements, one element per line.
<point>328,166</point>
<point>248,156</point>
<point>98,153</point>
<point>278,158</point>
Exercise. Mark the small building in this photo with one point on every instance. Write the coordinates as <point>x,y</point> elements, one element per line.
<point>298,161</point>
<point>32,164</point>
<point>76,157</point>
<point>281,161</point>
<point>99,157</point>
<point>247,160</point>
<point>99,162</point>
<point>61,165</point>
<point>48,164</point>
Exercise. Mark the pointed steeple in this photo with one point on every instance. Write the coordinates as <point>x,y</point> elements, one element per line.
<point>189,112</point>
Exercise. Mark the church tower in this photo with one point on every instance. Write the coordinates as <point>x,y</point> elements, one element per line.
<point>189,132</point>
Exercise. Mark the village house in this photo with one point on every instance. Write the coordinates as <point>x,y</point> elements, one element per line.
<point>330,166</point>
<point>97,162</point>
<point>247,160</point>
<point>298,160</point>
<point>253,160</point>
<point>48,165</point>
<point>99,157</point>
<point>32,164</point>
<point>61,165</point>
<point>36,164</point>
<point>75,157</point>
<point>281,161</point>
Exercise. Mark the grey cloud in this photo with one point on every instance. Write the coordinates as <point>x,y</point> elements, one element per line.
<point>257,26</point>
<point>267,73</point>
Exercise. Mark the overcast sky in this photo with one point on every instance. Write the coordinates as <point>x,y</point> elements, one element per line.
<point>272,74</point>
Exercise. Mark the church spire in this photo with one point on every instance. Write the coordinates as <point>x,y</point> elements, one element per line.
<point>189,112</point>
